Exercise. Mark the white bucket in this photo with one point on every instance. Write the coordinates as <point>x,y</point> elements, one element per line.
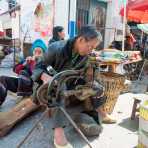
<point>143,139</point>
<point>143,124</point>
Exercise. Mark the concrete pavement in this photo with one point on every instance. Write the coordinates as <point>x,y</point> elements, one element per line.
<point>121,135</point>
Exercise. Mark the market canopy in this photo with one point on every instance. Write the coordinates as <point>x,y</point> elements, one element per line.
<point>136,11</point>
<point>143,27</point>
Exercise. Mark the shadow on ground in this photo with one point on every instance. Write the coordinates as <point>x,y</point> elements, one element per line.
<point>129,124</point>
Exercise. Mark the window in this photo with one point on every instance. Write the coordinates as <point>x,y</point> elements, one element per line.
<point>11,3</point>
<point>82,17</point>
<point>9,32</point>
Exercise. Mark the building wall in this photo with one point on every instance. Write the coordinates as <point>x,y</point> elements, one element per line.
<point>113,21</point>
<point>72,18</point>
<point>3,6</point>
<point>6,21</point>
<point>61,14</point>
<point>65,15</point>
<point>16,26</point>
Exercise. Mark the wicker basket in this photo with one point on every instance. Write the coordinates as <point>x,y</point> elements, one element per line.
<point>114,84</point>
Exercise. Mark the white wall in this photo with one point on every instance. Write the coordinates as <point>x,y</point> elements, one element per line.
<point>113,21</point>
<point>15,26</point>
<point>61,14</point>
<point>6,21</point>
<point>65,15</point>
<point>3,6</point>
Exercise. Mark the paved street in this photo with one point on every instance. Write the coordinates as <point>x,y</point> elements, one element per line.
<point>120,135</point>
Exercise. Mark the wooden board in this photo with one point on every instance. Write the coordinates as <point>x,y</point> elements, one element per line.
<point>9,119</point>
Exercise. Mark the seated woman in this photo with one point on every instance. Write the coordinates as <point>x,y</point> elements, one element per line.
<point>22,84</point>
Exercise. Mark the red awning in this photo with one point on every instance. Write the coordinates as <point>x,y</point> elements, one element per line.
<point>136,11</point>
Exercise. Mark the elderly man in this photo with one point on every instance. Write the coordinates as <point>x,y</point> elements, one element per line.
<point>63,55</point>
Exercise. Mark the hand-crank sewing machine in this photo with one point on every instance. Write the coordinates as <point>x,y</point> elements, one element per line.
<point>57,92</point>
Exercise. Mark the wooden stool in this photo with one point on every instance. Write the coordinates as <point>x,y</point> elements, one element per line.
<point>135,108</point>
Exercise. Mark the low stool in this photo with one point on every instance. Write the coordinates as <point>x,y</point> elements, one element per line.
<point>135,108</point>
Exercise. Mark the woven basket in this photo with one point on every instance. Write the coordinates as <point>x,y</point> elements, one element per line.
<point>114,84</point>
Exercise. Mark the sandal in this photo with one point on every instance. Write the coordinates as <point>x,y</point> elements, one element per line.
<point>109,120</point>
<point>68,145</point>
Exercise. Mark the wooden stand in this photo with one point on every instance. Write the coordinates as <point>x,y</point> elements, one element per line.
<point>9,119</point>
<point>135,108</point>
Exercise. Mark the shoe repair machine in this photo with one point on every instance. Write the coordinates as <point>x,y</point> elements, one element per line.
<point>54,94</point>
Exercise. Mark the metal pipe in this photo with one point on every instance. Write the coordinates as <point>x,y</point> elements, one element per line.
<point>35,125</point>
<point>124,23</point>
<point>75,126</point>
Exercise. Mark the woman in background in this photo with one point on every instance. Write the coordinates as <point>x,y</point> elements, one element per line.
<point>57,34</point>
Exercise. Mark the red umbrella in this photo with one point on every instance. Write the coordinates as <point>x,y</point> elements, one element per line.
<point>137,11</point>
<point>137,16</point>
<point>138,4</point>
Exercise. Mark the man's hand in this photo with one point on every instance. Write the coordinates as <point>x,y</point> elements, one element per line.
<point>46,78</point>
<point>97,55</point>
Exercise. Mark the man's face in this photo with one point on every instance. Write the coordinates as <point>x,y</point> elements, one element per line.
<point>85,47</point>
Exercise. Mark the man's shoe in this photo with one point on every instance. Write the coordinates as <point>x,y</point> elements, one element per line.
<point>88,125</point>
<point>108,120</point>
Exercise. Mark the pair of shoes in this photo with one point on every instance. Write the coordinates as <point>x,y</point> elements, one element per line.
<point>68,145</point>
<point>90,129</point>
<point>88,125</point>
<point>108,120</point>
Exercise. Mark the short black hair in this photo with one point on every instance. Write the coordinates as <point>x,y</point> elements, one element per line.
<point>89,33</point>
<point>56,30</point>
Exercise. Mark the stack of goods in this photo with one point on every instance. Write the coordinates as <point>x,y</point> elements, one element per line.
<point>133,56</point>
<point>143,125</point>
<point>112,55</point>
